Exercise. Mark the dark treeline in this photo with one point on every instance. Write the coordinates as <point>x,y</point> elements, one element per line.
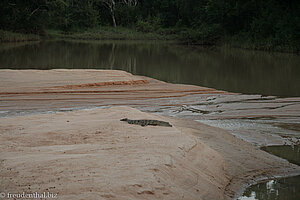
<point>266,22</point>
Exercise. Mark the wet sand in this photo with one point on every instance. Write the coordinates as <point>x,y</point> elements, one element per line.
<point>91,154</point>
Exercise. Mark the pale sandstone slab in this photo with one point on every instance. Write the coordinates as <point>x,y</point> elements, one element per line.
<point>32,146</point>
<point>91,154</point>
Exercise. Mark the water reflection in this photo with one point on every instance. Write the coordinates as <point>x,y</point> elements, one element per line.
<point>279,189</point>
<point>231,70</point>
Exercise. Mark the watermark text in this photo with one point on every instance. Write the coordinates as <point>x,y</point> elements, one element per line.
<point>24,195</point>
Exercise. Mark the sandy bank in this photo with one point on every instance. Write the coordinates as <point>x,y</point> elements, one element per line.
<point>246,116</point>
<point>54,89</point>
<point>90,154</point>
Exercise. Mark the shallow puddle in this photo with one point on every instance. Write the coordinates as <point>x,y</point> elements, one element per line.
<point>278,189</point>
<point>290,153</point>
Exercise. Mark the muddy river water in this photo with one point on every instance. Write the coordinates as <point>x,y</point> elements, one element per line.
<point>247,72</point>
<point>267,111</point>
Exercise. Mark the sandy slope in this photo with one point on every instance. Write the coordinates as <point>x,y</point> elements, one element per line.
<point>90,154</point>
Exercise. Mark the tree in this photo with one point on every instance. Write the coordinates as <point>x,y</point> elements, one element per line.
<point>111,5</point>
<point>23,16</point>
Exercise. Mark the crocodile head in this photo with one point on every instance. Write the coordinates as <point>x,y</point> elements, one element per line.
<point>125,119</point>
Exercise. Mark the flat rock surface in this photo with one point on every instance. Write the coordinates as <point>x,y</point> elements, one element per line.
<point>34,90</point>
<point>32,81</point>
<point>60,132</point>
<point>257,119</point>
<point>91,154</point>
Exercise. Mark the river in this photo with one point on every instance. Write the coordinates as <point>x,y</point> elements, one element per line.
<point>234,70</point>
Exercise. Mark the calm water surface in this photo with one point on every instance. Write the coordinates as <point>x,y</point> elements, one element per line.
<point>251,72</point>
<point>277,189</point>
<point>290,153</point>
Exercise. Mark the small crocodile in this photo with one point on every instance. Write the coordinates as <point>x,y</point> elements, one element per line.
<point>147,122</point>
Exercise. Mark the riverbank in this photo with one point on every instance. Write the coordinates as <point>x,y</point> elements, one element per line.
<point>8,36</point>
<point>178,36</point>
<point>107,33</point>
<point>70,152</point>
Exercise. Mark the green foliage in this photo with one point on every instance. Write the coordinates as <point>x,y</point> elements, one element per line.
<point>267,24</point>
<point>7,36</point>
<point>70,15</point>
<point>205,35</point>
<point>104,33</point>
<point>25,16</point>
<point>150,24</point>
<point>126,16</point>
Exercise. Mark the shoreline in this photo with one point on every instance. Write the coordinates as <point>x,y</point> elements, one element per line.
<point>14,37</point>
<point>126,34</point>
<point>244,187</point>
<point>87,87</point>
<point>54,89</point>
